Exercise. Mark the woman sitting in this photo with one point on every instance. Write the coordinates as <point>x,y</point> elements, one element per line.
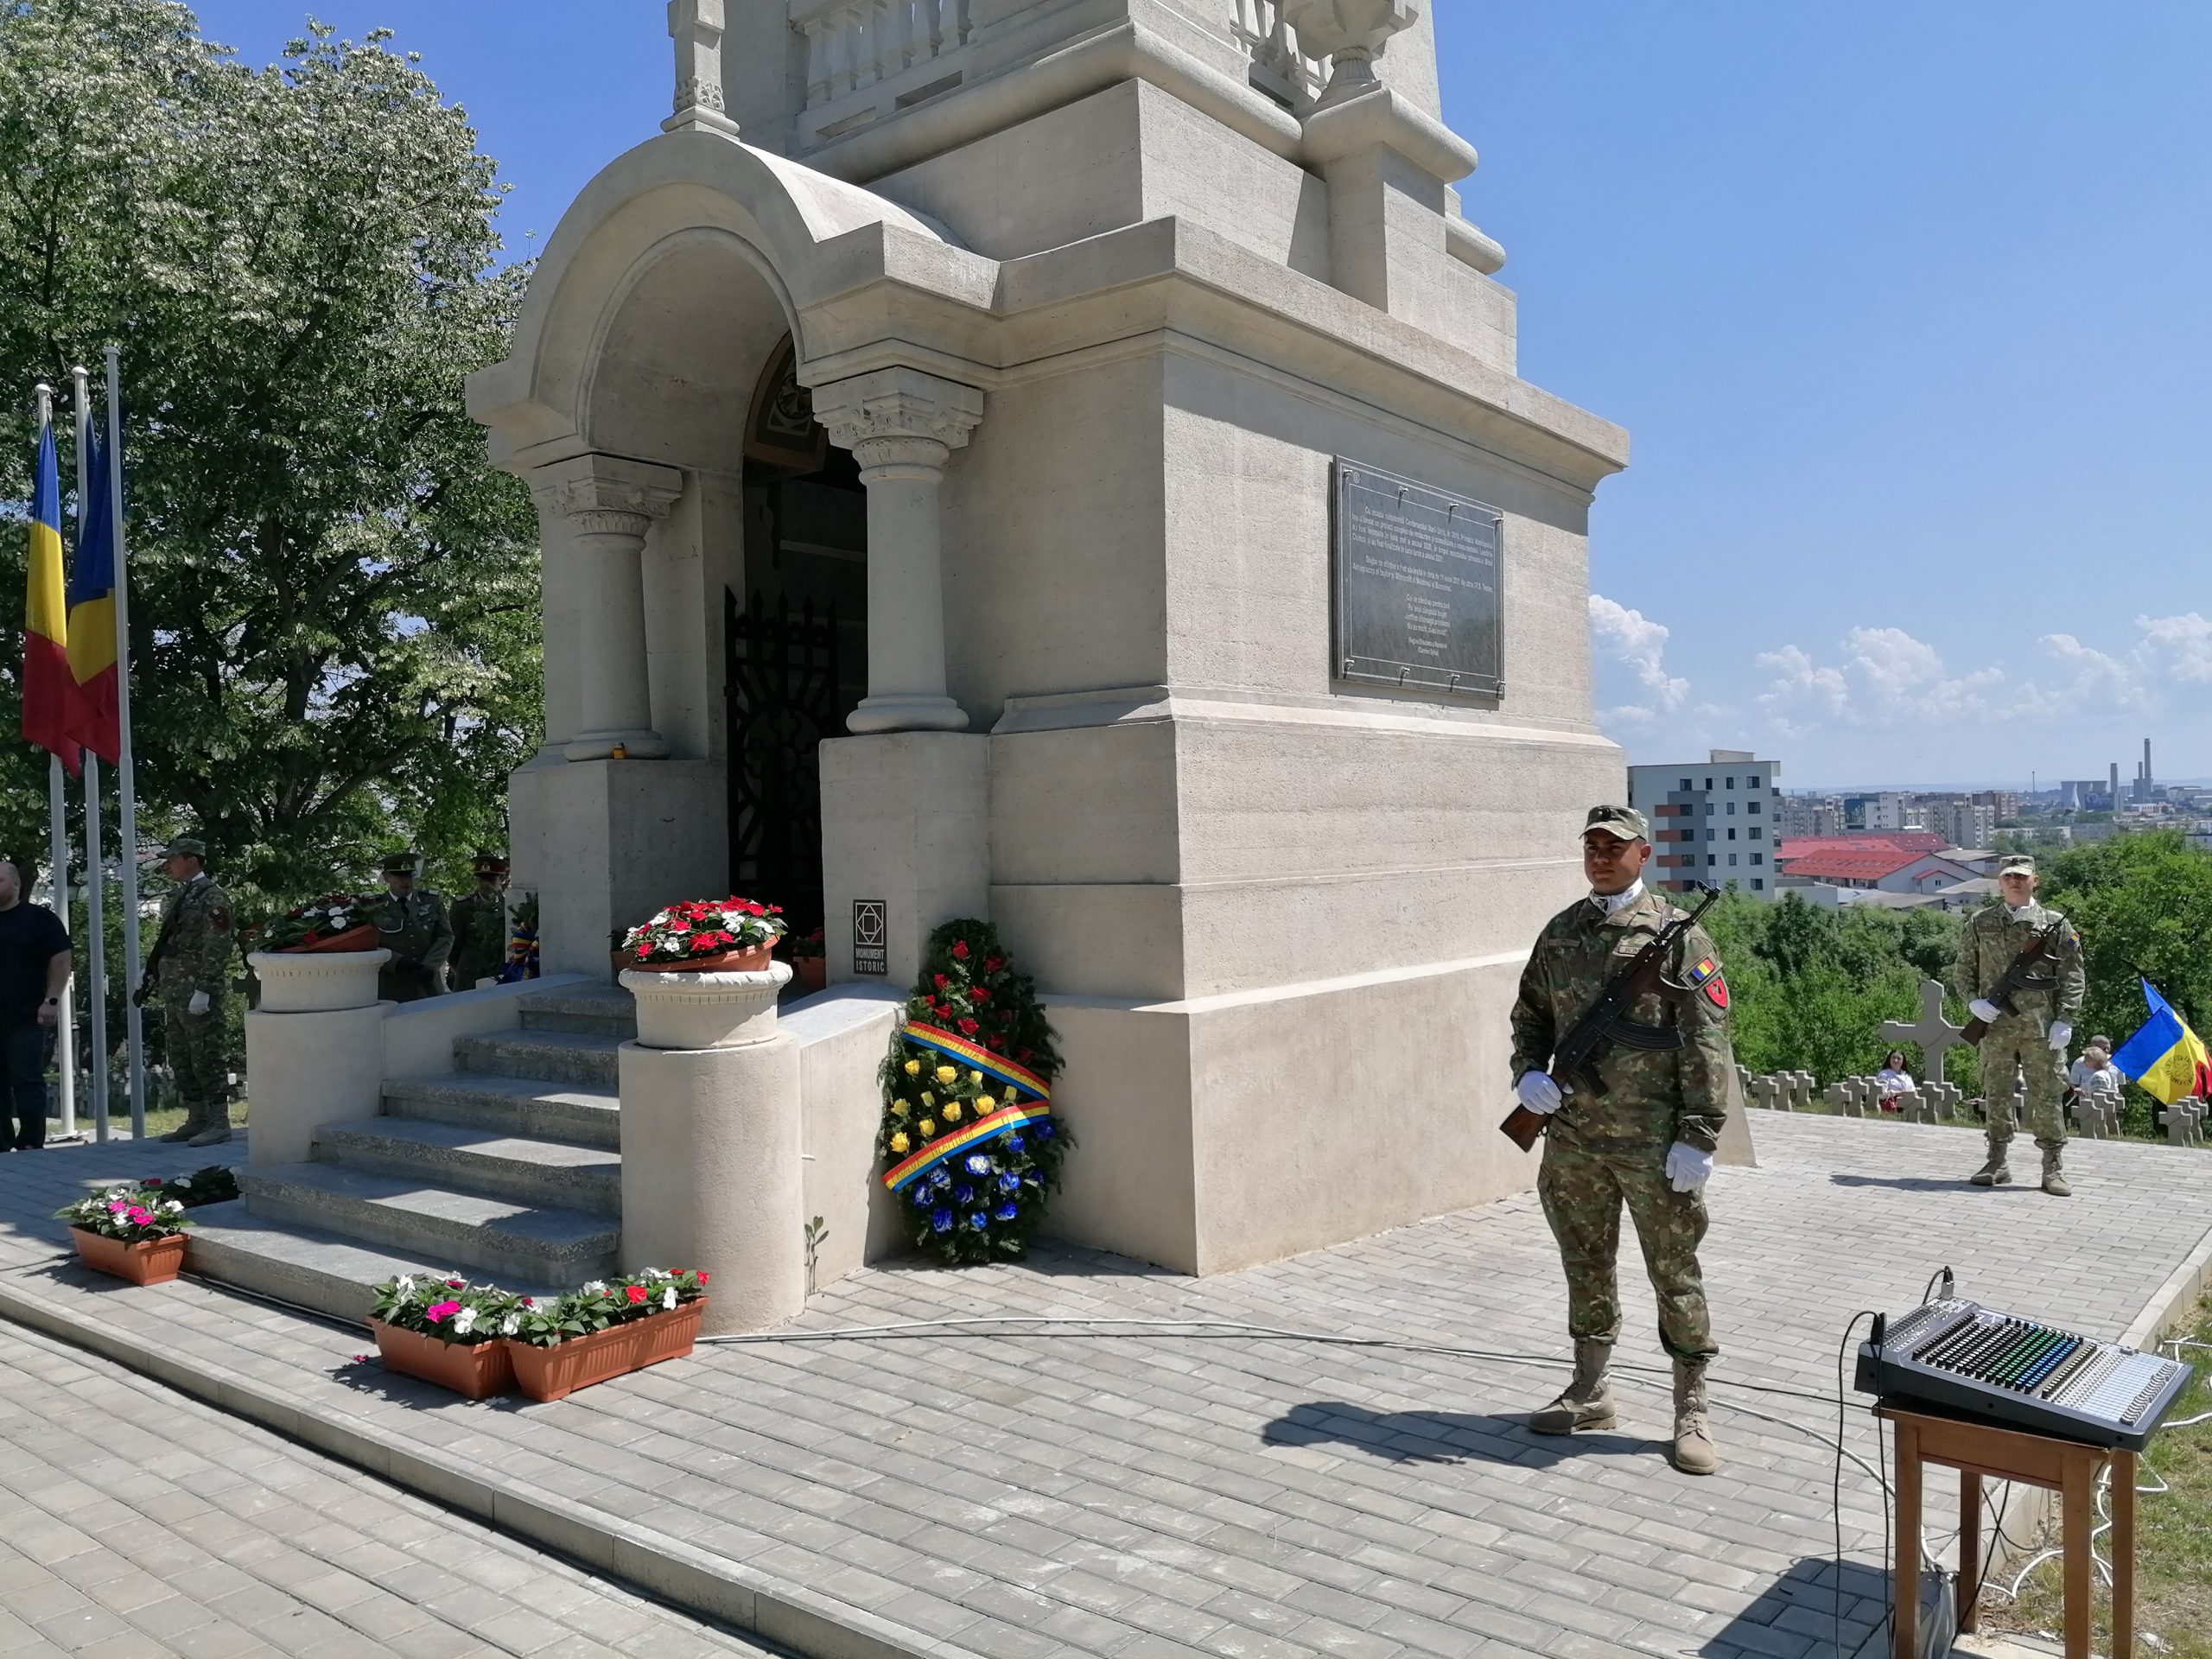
<point>1893,1080</point>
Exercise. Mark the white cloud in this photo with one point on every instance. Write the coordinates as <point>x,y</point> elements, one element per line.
<point>1638,643</point>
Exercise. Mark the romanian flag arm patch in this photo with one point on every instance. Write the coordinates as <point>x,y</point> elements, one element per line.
<point>1706,977</point>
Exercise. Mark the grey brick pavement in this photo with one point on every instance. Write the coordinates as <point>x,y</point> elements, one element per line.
<point>1175,1493</point>
<point>138,1523</point>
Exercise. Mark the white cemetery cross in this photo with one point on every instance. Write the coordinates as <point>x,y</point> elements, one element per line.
<point>1933,1033</point>
<point>1764,1091</point>
<point>1800,1095</point>
<point>1910,1108</point>
<point>1833,1094</point>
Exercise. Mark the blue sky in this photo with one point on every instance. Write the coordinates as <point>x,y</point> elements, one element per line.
<point>1904,303</point>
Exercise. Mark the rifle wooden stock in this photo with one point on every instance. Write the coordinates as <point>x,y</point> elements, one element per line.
<point>1522,1128</point>
<point>1975,1028</point>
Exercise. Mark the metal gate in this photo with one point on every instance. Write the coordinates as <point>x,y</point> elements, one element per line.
<point>782,690</point>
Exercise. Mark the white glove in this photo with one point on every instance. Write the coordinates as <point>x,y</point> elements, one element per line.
<point>1986,1011</point>
<point>2061,1034</point>
<point>199,1003</point>
<point>1538,1093</point>
<point>1687,1167</point>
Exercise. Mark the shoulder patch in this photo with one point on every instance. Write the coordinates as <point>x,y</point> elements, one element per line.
<point>218,916</point>
<point>1705,974</point>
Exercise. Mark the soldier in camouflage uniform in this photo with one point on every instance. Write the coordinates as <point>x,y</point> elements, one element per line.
<point>189,971</point>
<point>1647,1141</point>
<point>2032,1037</point>
<point>479,924</point>
<point>410,924</point>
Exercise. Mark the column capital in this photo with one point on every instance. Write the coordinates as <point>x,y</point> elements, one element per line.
<point>608,495</point>
<point>899,422</point>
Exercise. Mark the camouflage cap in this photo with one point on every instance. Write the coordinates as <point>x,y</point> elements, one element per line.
<point>1623,821</point>
<point>2016,864</point>
<point>402,863</point>
<point>184,846</point>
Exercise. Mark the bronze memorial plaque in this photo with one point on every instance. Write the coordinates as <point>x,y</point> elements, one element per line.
<point>1416,585</point>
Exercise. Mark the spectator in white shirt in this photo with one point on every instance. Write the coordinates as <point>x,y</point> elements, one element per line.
<point>1893,1079</point>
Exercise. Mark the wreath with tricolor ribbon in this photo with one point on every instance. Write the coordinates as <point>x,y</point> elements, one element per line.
<point>969,1142</point>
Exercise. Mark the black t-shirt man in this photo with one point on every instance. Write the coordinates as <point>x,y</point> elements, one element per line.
<point>31,936</point>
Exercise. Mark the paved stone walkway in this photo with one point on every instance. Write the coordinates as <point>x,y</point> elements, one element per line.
<point>1177,1492</point>
<point>139,1524</point>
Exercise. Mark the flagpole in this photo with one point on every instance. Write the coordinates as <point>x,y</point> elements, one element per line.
<point>95,877</point>
<point>57,802</point>
<point>126,778</point>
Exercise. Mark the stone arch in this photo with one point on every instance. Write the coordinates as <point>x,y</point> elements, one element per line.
<point>670,225</point>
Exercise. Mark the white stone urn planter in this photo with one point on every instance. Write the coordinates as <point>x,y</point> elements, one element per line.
<point>317,982</point>
<point>1352,34</point>
<point>700,1011</point>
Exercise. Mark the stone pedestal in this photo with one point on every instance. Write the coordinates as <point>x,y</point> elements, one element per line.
<point>313,1048</point>
<point>615,841</point>
<point>712,1175</point>
<point>906,824</point>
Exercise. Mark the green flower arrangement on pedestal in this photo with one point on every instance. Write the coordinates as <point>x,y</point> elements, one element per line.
<point>969,1142</point>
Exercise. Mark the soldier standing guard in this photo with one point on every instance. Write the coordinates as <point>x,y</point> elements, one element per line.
<point>410,924</point>
<point>2033,1032</point>
<point>479,924</point>
<point>1648,1140</point>
<point>189,970</point>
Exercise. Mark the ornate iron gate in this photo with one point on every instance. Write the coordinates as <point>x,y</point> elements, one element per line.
<point>782,690</point>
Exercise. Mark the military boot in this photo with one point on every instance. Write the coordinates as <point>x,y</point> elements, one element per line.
<point>1993,1173</point>
<point>1693,1452</point>
<point>215,1128</point>
<point>195,1119</point>
<point>2054,1172</point>
<point>1588,1402</point>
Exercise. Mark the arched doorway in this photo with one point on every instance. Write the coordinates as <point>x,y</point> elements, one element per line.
<point>797,640</point>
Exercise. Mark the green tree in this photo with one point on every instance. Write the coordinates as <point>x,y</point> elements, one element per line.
<point>334,596</point>
<point>2143,906</point>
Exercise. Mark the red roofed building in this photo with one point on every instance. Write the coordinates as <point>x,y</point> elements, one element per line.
<point>1888,868</point>
<point>1896,841</point>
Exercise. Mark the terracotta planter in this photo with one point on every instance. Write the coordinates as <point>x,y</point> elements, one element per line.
<point>150,1261</point>
<point>363,937</point>
<point>752,960</point>
<point>813,973</point>
<point>473,1370</point>
<point>557,1372</point>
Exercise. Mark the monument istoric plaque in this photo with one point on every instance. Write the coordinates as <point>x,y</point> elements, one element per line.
<point>1416,584</point>
<point>871,937</point>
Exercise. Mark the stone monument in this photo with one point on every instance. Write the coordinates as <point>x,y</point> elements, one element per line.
<point>1066,464</point>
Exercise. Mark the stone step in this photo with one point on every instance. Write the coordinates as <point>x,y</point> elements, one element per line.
<point>511,1243</point>
<point>551,1056</point>
<point>524,1106</point>
<point>333,1275</point>
<point>588,1009</point>
<point>523,1169</point>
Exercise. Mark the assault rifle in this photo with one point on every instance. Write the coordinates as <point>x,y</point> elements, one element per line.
<point>2014,979</point>
<point>1605,1021</point>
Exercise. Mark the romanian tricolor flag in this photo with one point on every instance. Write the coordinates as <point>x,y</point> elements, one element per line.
<point>49,690</point>
<point>2165,1057</point>
<point>94,719</point>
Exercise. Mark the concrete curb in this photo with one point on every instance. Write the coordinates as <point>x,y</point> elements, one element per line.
<point>699,1581</point>
<point>2029,1510</point>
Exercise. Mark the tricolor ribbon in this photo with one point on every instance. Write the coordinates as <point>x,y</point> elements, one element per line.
<point>967,1052</point>
<point>902,1175</point>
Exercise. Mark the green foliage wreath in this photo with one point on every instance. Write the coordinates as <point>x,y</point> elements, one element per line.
<point>982,1197</point>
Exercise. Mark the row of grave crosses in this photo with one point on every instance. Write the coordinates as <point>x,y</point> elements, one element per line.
<point>1945,1103</point>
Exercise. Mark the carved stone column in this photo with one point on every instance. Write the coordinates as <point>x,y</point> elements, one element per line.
<point>696,25</point>
<point>902,426</point>
<point>610,504</point>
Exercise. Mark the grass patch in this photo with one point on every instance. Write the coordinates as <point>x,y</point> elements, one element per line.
<point>159,1120</point>
<point>2173,1540</point>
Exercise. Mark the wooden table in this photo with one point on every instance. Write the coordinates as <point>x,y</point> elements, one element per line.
<point>2066,1467</point>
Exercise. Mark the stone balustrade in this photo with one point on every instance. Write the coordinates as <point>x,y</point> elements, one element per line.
<point>1278,64</point>
<point>890,47</point>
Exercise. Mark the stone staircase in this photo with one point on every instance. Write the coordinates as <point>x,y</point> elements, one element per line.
<point>508,1168</point>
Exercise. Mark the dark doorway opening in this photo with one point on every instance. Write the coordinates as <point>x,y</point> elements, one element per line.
<point>796,642</point>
